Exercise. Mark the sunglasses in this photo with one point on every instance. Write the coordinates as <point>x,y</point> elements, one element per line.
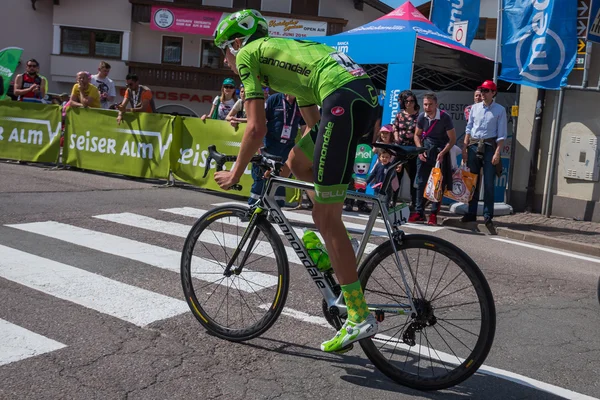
<point>32,65</point>
<point>409,101</point>
<point>228,87</point>
<point>484,90</point>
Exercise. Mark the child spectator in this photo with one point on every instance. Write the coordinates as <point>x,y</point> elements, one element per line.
<point>378,174</point>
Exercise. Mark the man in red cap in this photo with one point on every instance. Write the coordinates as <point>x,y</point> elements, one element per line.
<point>485,134</point>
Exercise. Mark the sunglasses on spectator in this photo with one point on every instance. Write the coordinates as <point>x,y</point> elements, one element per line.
<point>409,101</point>
<point>33,65</point>
<point>484,90</point>
<point>228,87</point>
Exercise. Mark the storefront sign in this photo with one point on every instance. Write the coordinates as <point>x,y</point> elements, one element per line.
<point>200,22</point>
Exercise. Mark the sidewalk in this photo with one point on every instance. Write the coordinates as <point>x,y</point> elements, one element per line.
<point>563,233</point>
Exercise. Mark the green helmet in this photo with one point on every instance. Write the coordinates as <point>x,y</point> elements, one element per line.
<point>241,24</point>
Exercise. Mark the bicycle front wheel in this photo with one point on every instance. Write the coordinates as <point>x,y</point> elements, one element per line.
<point>245,303</point>
<point>451,334</point>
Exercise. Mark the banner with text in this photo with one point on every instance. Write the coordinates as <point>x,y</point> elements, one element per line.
<point>190,151</point>
<point>205,22</point>
<point>29,131</point>
<point>539,42</point>
<point>447,12</point>
<point>139,147</point>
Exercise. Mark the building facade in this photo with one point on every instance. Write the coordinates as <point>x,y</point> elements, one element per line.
<point>184,70</point>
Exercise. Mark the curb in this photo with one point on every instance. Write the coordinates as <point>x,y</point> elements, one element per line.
<point>549,241</point>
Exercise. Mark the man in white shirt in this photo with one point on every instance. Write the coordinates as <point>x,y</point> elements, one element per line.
<point>105,85</point>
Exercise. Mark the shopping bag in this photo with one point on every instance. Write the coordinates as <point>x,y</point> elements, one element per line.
<point>463,185</point>
<point>433,190</point>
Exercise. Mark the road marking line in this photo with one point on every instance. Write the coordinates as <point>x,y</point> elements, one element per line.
<point>129,303</point>
<point>202,268</point>
<point>208,236</point>
<point>350,226</point>
<point>198,212</point>
<point>449,358</point>
<point>19,343</point>
<point>549,250</point>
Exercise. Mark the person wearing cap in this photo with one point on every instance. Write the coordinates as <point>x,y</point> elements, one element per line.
<point>485,135</point>
<point>224,103</point>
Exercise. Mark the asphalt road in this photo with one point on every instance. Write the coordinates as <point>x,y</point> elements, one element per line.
<point>89,311</point>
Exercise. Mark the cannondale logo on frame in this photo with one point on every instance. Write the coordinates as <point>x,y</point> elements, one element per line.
<point>542,41</point>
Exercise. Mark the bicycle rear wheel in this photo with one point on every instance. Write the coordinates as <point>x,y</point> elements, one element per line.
<point>240,306</point>
<point>452,333</point>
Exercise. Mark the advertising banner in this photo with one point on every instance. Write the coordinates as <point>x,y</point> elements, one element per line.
<point>539,42</point>
<point>139,147</point>
<point>9,60</point>
<point>203,22</point>
<point>190,151</point>
<point>29,131</point>
<point>173,19</point>
<point>398,79</point>
<point>446,12</point>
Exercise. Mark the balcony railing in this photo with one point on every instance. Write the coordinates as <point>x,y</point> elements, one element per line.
<point>178,76</point>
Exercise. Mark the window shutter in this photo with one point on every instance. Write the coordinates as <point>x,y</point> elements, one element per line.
<point>491,28</point>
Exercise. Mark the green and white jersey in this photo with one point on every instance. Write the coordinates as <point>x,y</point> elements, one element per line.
<point>308,70</point>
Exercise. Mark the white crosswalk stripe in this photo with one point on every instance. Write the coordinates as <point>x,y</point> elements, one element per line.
<point>19,343</point>
<point>130,303</point>
<point>146,253</point>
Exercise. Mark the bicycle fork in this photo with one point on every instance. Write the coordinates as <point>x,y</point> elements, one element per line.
<point>251,233</point>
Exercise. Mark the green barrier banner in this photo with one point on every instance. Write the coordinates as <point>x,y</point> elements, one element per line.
<point>29,131</point>
<point>139,147</point>
<point>190,151</point>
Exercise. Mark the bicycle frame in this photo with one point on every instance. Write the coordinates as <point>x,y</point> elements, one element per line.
<point>324,285</point>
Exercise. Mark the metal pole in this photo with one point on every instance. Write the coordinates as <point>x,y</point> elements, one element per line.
<point>552,152</point>
<point>534,148</point>
<point>513,147</point>
<point>498,40</point>
<point>586,67</point>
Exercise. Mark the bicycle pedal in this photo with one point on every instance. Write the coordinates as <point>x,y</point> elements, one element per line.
<point>345,349</point>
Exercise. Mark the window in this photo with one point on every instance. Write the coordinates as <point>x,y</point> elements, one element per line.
<point>172,49</point>
<point>486,29</point>
<point>92,43</point>
<point>305,7</point>
<point>212,56</point>
<point>244,4</point>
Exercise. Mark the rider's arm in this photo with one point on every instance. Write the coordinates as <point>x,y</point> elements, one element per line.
<point>256,129</point>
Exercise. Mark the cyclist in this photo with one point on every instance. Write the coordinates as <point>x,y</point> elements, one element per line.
<point>317,75</point>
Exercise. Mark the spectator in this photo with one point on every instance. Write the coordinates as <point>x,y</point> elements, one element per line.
<point>224,103</point>
<point>485,135</point>
<point>477,98</point>
<point>378,174</point>
<point>405,124</point>
<point>237,114</point>
<point>84,94</point>
<point>64,98</point>
<point>283,121</point>
<point>30,85</point>
<point>434,131</point>
<point>139,97</point>
<point>105,85</point>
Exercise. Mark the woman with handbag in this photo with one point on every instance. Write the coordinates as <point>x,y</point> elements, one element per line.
<point>405,124</point>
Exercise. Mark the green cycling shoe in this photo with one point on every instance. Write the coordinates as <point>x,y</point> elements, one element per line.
<point>350,333</point>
